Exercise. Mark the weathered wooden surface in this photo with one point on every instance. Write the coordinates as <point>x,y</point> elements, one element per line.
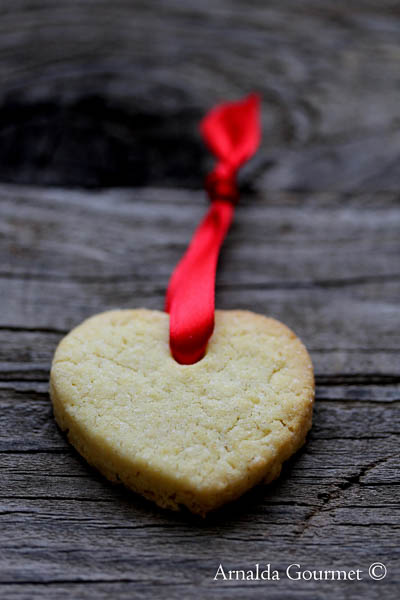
<point>315,243</point>
<point>96,93</point>
<point>327,267</point>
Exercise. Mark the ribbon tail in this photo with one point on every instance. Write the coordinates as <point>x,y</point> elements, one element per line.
<point>190,298</point>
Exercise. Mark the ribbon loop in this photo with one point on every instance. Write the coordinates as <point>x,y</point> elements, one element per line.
<point>232,132</point>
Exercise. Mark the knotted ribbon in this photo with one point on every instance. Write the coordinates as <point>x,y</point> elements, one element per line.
<point>232,132</point>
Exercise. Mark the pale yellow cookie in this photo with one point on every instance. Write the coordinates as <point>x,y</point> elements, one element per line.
<point>195,435</point>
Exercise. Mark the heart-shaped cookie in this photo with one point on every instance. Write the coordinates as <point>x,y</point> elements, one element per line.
<point>196,435</point>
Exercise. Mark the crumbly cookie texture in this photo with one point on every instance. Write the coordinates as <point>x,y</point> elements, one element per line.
<point>194,435</point>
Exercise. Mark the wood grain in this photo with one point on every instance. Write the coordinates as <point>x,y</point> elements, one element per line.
<point>315,243</point>
<point>83,81</point>
<point>326,266</point>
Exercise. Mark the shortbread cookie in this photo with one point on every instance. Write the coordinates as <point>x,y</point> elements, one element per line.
<point>195,435</point>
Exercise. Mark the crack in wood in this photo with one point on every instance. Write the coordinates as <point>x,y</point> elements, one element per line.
<point>160,289</point>
<point>337,492</point>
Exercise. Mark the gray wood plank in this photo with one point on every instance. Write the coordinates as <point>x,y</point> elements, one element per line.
<point>62,524</point>
<point>328,74</point>
<point>306,262</point>
<point>26,355</point>
<point>324,264</point>
<point>94,94</point>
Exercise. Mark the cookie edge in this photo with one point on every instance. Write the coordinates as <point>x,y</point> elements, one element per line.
<point>204,501</point>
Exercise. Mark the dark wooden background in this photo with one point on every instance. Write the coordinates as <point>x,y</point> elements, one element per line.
<point>101,172</point>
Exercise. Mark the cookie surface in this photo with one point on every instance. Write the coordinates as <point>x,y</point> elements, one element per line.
<point>196,435</point>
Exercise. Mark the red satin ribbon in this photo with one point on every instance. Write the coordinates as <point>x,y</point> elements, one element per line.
<point>232,132</point>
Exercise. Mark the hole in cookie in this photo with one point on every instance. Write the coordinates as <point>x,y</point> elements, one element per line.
<point>187,361</point>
